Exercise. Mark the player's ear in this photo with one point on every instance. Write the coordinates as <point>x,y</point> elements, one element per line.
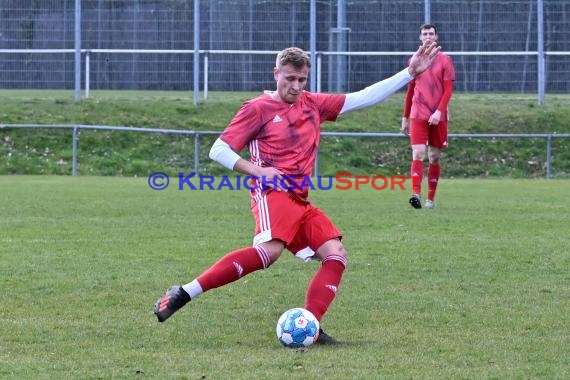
<point>276,73</point>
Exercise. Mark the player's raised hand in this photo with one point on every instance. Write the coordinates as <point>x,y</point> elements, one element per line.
<point>423,58</point>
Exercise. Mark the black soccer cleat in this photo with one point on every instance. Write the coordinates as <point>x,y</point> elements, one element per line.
<point>168,304</point>
<point>326,339</point>
<point>416,201</point>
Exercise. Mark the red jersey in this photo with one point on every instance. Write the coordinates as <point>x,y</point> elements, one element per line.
<point>428,88</point>
<point>282,135</point>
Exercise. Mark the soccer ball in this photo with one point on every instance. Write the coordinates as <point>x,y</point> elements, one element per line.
<point>297,328</point>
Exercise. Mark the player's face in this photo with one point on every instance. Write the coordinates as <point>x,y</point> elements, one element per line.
<point>290,82</point>
<point>428,35</point>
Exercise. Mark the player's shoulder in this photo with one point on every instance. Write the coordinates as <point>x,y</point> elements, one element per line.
<point>444,56</point>
<point>255,105</point>
<point>314,100</point>
<point>260,99</point>
<point>319,97</point>
<point>308,99</point>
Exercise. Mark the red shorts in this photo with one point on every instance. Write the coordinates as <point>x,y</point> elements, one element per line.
<point>303,227</point>
<point>424,134</point>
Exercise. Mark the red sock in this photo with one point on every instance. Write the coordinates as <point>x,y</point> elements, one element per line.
<point>417,174</point>
<point>433,179</point>
<point>323,287</point>
<point>233,266</point>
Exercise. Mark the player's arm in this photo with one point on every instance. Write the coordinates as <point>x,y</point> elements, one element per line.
<point>223,154</point>
<point>408,108</point>
<point>443,103</point>
<point>446,97</point>
<point>379,91</point>
<point>375,93</point>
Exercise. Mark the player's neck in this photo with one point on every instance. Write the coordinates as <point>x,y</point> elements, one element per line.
<point>275,96</point>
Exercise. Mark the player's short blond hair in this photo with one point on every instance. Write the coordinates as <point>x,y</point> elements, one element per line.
<point>293,56</point>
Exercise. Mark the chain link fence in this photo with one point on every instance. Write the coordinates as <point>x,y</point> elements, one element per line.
<point>148,45</point>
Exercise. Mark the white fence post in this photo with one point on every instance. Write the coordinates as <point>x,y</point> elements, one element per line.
<point>87,70</point>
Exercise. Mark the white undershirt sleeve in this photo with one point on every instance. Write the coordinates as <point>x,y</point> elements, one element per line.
<point>222,153</point>
<point>375,93</point>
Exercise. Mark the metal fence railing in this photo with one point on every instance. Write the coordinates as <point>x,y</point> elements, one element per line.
<point>548,137</point>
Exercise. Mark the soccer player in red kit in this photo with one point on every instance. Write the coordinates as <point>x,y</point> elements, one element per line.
<point>425,118</point>
<point>282,132</point>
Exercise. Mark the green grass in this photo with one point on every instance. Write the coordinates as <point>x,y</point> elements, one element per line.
<point>43,151</point>
<point>475,289</point>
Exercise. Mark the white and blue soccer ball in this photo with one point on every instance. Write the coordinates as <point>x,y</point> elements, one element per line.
<point>297,328</point>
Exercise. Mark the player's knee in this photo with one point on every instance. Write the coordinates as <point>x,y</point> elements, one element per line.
<point>271,251</point>
<point>273,256</point>
<point>418,153</point>
<point>333,249</point>
<point>434,157</point>
<point>338,254</point>
<point>342,251</point>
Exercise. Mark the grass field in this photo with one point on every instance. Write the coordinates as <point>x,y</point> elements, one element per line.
<point>475,289</point>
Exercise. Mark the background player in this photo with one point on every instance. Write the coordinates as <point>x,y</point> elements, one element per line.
<point>425,118</point>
